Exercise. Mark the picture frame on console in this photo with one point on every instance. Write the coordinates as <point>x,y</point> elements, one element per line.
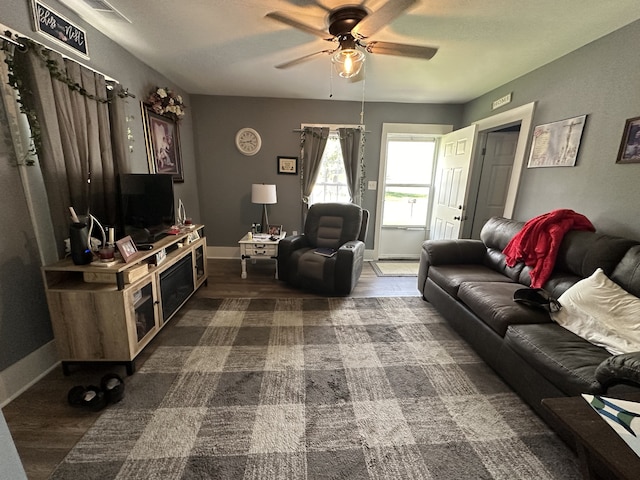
<point>629,151</point>
<point>127,248</point>
<point>162,140</point>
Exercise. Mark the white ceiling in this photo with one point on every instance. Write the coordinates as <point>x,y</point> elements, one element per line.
<point>228,47</point>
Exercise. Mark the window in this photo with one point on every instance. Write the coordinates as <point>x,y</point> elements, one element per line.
<point>409,171</point>
<point>331,184</point>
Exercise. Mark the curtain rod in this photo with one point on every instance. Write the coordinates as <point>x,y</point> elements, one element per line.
<point>23,48</point>
<point>14,42</point>
<point>298,130</point>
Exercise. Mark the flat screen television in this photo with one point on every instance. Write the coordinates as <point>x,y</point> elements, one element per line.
<point>146,206</point>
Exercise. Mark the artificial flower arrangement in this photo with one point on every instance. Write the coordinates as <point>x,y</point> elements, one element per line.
<point>166,102</point>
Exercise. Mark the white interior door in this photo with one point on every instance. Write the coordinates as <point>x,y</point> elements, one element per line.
<point>451,185</point>
<point>499,153</point>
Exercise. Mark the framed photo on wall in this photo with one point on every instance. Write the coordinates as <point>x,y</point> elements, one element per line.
<point>163,144</point>
<point>630,145</point>
<point>288,165</point>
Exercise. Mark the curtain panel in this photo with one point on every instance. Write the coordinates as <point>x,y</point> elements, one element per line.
<point>75,153</point>
<point>352,146</point>
<point>313,141</point>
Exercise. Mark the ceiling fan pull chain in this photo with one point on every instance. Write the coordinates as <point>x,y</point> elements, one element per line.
<point>330,81</point>
<point>364,81</point>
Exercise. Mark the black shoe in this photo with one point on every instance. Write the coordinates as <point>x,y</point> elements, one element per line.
<point>113,387</point>
<point>91,398</point>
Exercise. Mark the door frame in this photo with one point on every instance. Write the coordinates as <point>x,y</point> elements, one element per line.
<point>436,130</point>
<point>522,115</point>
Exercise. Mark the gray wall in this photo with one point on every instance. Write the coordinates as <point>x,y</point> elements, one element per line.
<point>602,81</point>
<point>24,320</point>
<point>225,175</point>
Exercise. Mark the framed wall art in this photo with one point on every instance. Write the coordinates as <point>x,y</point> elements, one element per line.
<point>630,145</point>
<point>556,144</point>
<point>55,27</point>
<point>288,165</point>
<point>163,144</point>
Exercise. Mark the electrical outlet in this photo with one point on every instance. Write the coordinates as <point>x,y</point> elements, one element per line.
<point>372,185</point>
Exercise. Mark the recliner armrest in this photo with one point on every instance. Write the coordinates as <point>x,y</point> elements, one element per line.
<point>349,259</point>
<point>623,368</point>
<point>286,247</point>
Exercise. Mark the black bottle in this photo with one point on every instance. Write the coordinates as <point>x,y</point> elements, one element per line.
<point>78,238</point>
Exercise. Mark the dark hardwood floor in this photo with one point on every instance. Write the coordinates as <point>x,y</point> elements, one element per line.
<point>45,428</point>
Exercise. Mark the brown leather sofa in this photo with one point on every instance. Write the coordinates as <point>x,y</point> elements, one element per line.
<point>468,282</point>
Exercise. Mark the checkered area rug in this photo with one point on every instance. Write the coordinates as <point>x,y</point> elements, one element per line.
<point>331,388</point>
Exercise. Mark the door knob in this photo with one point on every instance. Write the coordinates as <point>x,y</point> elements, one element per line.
<point>457,218</point>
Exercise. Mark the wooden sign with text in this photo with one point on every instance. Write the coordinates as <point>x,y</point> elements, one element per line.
<point>54,26</point>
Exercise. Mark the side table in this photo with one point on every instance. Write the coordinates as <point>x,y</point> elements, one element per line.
<point>258,247</point>
<point>601,451</point>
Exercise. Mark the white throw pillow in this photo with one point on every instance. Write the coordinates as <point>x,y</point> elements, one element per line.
<point>602,312</point>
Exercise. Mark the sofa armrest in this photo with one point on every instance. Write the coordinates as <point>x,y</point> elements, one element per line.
<point>450,252</point>
<point>623,368</point>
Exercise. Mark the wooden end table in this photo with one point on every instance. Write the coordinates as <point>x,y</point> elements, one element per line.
<point>601,451</point>
<point>258,247</point>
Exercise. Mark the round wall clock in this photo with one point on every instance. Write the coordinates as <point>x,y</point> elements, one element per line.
<point>248,141</point>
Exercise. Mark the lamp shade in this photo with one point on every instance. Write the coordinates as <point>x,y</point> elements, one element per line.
<point>348,62</point>
<point>263,193</point>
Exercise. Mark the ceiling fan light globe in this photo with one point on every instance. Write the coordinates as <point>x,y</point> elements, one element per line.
<point>348,62</point>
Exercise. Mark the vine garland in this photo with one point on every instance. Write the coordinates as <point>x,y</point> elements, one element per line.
<point>17,80</point>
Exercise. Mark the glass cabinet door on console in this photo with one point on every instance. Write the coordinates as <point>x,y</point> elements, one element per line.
<point>200,267</point>
<point>143,301</point>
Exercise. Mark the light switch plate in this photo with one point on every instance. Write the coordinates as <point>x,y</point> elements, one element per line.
<point>372,185</point>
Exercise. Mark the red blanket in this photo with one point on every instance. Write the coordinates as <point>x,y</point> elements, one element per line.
<point>538,242</point>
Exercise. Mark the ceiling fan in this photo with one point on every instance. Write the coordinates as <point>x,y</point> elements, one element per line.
<point>350,27</point>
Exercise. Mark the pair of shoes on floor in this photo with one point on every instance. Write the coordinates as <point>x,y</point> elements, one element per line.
<point>94,398</point>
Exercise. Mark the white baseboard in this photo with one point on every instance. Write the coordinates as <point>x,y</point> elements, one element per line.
<point>18,377</point>
<point>223,252</point>
<point>234,252</point>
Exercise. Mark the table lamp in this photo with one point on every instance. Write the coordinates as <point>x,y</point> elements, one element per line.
<point>264,194</point>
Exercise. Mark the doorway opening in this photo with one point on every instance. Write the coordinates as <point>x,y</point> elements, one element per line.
<point>405,188</point>
<point>467,197</point>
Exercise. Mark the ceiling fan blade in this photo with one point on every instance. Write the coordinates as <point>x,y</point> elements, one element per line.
<point>292,22</point>
<point>291,63</point>
<point>381,17</point>
<point>398,49</point>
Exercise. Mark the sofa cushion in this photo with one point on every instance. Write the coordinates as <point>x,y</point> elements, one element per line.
<point>617,369</point>
<point>600,311</point>
<point>566,360</point>
<point>582,252</point>
<point>627,272</point>
<point>493,303</point>
<point>498,231</point>
<point>449,277</point>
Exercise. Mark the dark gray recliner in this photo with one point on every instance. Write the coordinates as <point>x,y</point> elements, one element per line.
<point>338,226</point>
